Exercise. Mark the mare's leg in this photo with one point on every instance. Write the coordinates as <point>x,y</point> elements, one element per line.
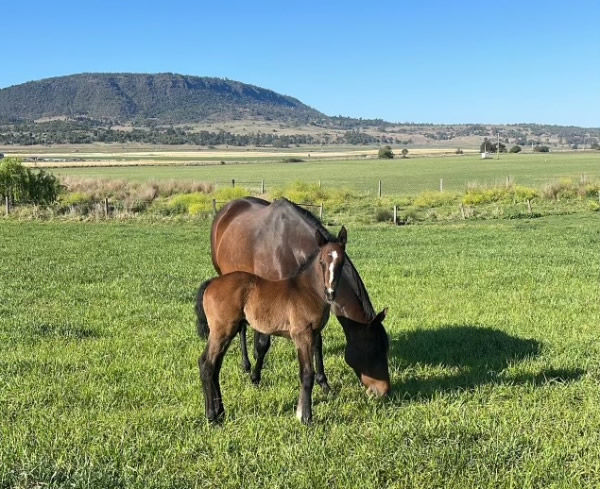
<point>304,346</point>
<point>262,343</point>
<point>319,367</point>
<point>245,360</point>
<point>210,366</point>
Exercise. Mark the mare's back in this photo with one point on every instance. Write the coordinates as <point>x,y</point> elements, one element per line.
<point>271,241</point>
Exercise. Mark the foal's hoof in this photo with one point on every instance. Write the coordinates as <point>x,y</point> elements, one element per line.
<point>255,379</point>
<point>306,421</point>
<point>246,366</point>
<point>304,417</point>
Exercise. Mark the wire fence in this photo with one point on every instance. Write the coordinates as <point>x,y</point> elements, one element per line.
<point>107,208</point>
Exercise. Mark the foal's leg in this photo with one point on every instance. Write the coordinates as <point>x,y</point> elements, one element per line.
<point>319,367</point>
<point>304,346</point>
<point>245,360</point>
<point>210,366</point>
<point>262,343</point>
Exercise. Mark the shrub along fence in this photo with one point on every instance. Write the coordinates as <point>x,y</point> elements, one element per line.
<point>201,199</point>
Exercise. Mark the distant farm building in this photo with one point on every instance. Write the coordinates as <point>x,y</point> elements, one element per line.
<point>486,156</point>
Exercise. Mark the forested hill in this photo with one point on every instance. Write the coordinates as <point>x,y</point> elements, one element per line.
<point>166,97</point>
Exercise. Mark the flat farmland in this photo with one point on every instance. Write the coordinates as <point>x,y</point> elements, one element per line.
<point>494,363</point>
<point>399,176</point>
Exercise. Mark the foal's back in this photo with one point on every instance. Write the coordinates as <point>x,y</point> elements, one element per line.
<point>270,307</point>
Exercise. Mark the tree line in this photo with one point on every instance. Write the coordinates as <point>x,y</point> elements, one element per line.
<point>86,131</point>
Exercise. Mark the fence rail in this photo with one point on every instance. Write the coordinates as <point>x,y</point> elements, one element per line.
<point>301,204</point>
<point>258,184</point>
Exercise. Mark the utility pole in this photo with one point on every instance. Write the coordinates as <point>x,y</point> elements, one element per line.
<point>498,147</point>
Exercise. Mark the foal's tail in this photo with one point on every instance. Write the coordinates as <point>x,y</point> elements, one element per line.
<point>202,322</point>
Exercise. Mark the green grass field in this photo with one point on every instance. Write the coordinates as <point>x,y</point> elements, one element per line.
<point>399,176</point>
<point>494,363</point>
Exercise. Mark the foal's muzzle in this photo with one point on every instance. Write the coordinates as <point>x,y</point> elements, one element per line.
<point>330,295</point>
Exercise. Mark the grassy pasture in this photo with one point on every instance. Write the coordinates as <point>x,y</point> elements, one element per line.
<point>494,363</point>
<point>400,176</point>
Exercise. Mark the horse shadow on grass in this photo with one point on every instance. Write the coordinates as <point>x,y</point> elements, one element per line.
<point>473,355</point>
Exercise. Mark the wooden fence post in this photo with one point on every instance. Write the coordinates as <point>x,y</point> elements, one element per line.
<point>321,211</point>
<point>379,189</point>
<point>462,210</point>
<point>106,207</point>
<point>395,215</point>
<point>262,186</point>
<point>441,184</point>
<point>598,195</point>
<point>7,202</point>
<point>529,206</point>
<point>214,204</point>
<point>233,182</point>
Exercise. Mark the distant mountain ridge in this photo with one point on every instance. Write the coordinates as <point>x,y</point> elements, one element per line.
<point>166,97</point>
<point>169,108</point>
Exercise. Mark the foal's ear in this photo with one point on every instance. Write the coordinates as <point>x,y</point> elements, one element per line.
<point>381,316</point>
<point>342,236</point>
<point>321,240</point>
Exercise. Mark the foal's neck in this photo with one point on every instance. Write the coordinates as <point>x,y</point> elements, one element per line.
<point>311,275</point>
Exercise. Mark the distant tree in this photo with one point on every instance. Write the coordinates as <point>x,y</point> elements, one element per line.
<point>386,152</point>
<point>486,146</point>
<point>516,149</point>
<point>541,149</point>
<point>404,153</point>
<point>13,179</point>
<point>21,184</point>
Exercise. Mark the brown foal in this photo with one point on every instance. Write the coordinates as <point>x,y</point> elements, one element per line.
<point>296,308</point>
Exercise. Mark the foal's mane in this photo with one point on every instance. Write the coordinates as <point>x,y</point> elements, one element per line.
<point>308,262</point>
<point>358,287</point>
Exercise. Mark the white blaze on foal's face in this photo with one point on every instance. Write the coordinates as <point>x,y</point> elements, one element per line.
<point>334,258</point>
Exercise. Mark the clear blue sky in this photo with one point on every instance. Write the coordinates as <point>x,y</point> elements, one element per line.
<point>437,61</point>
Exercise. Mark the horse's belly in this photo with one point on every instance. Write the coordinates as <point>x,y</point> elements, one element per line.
<point>268,320</point>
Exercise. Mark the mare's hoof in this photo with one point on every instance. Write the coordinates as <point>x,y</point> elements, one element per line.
<point>322,381</point>
<point>216,419</point>
<point>325,388</point>
<point>246,367</point>
<point>255,380</point>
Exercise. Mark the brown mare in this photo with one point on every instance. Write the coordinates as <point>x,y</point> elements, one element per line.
<point>296,308</point>
<point>272,240</point>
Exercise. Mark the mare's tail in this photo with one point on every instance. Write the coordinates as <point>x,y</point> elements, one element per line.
<point>201,321</point>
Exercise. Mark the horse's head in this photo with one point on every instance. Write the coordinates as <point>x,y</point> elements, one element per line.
<point>367,353</point>
<point>331,259</point>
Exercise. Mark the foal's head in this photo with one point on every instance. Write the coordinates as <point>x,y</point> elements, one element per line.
<point>331,258</point>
